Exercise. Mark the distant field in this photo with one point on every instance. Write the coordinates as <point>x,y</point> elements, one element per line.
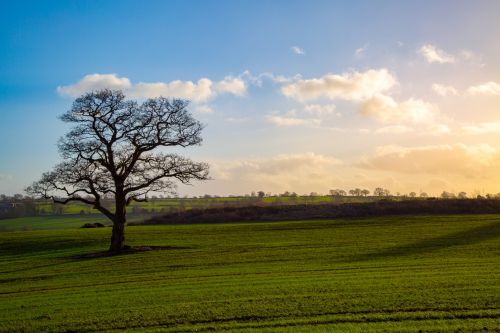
<point>400,274</point>
<point>165,204</point>
<point>52,222</point>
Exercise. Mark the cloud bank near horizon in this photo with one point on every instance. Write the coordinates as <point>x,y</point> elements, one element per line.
<point>454,167</point>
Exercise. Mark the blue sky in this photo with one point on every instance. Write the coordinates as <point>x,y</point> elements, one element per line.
<point>439,61</point>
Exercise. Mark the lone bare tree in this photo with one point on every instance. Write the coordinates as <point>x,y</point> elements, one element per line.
<point>110,153</point>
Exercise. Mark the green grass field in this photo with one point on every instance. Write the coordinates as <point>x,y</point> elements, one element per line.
<point>401,274</point>
<point>52,222</point>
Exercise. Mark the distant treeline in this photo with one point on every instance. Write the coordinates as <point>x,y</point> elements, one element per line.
<point>23,206</point>
<point>17,208</point>
<point>320,211</point>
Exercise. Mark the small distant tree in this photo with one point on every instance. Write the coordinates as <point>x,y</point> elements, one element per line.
<point>355,192</point>
<point>365,192</point>
<point>447,195</point>
<point>261,194</point>
<point>337,193</point>
<point>381,192</point>
<point>412,194</point>
<point>423,195</point>
<point>109,153</point>
<point>462,195</point>
<point>18,197</point>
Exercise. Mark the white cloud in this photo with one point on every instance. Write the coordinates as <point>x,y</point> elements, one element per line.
<point>436,129</point>
<point>95,82</point>
<point>311,115</point>
<point>204,109</point>
<point>232,85</point>
<point>489,88</point>
<point>387,110</point>
<point>199,91</point>
<point>483,128</point>
<point>353,86</point>
<point>297,50</point>
<point>321,110</point>
<point>360,52</point>
<point>259,79</point>
<point>444,90</point>
<point>292,121</point>
<point>395,129</point>
<point>369,88</point>
<point>433,54</point>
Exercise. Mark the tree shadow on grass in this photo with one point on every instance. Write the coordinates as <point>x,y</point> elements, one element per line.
<point>128,250</point>
<point>95,255</point>
<point>461,238</point>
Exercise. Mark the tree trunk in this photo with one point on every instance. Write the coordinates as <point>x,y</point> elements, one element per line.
<point>118,234</point>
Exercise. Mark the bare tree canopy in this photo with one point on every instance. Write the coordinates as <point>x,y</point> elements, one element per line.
<point>110,151</point>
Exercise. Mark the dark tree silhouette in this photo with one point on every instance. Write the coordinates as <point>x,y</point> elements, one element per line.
<point>110,153</point>
<point>337,193</point>
<point>381,192</point>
